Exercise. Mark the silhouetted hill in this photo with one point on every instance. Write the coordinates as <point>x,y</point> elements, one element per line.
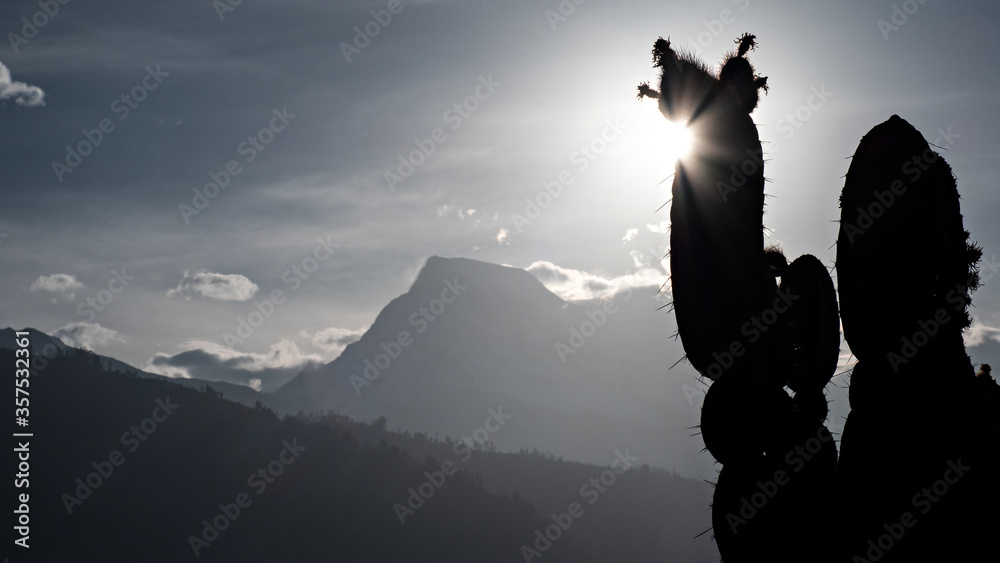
<point>332,499</point>
<point>155,460</point>
<point>645,515</point>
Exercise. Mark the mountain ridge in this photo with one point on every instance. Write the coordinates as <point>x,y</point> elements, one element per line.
<point>470,335</point>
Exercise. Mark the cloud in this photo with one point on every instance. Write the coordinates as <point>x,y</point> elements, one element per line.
<point>577,285</point>
<point>23,94</point>
<point>87,335</point>
<point>63,284</point>
<point>663,227</point>
<point>214,362</point>
<point>222,287</point>
<point>502,235</point>
<point>979,333</point>
<point>630,234</point>
<point>334,339</point>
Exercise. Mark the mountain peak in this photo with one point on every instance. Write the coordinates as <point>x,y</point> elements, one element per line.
<point>438,268</point>
<point>481,277</point>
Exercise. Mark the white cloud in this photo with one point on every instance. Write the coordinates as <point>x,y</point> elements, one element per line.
<point>639,259</point>
<point>334,339</point>
<point>662,228</point>
<point>577,285</point>
<point>63,284</point>
<point>502,236</point>
<point>23,94</point>
<point>630,234</point>
<point>979,333</point>
<point>87,335</point>
<point>222,287</point>
<point>215,362</point>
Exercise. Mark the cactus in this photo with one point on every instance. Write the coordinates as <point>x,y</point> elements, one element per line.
<point>767,333</point>
<point>915,409</point>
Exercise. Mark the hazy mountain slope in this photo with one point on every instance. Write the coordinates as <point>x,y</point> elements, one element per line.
<point>577,379</point>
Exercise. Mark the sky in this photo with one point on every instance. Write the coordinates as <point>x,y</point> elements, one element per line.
<point>168,166</point>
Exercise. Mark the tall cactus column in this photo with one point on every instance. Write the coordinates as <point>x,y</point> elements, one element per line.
<point>742,330</point>
<point>906,269</point>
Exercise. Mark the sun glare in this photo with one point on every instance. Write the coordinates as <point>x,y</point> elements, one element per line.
<point>663,142</point>
<point>676,140</point>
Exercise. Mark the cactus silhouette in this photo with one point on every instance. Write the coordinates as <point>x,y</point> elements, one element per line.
<point>905,269</point>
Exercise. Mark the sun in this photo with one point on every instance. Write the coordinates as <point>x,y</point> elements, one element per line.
<point>662,142</point>
<point>676,139</point>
